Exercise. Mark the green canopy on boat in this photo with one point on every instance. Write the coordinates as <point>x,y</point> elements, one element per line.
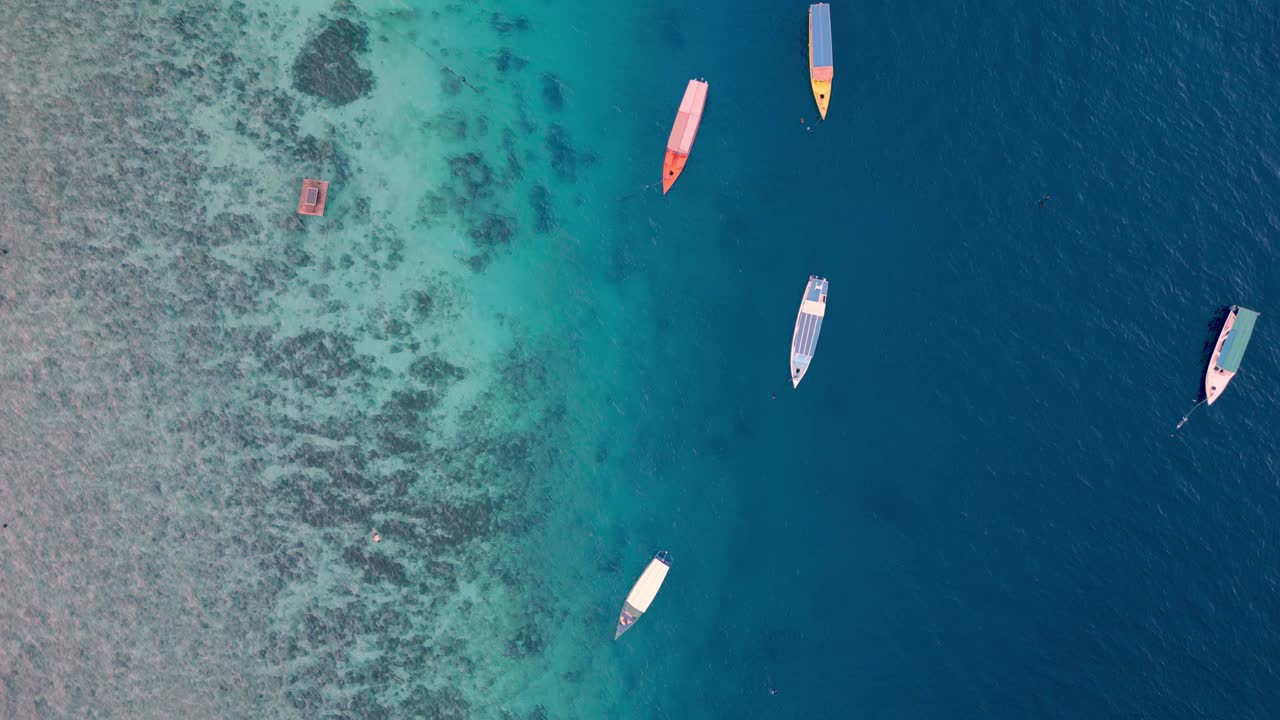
<point>1237,340</point>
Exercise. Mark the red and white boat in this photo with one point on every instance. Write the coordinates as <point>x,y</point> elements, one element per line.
<point>683,132</point>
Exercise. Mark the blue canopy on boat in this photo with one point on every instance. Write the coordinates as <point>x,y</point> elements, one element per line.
<point>820,34</point>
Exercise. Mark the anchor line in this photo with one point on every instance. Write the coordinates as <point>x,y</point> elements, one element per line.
<point>1186,417</point>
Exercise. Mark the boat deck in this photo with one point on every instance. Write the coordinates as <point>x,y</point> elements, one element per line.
<point>1229,351</point>
<point>804,341</point>
<point>315,193</point>
<point>688,117</point>
<point>820,60</point>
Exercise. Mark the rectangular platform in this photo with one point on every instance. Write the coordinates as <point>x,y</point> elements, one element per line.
<point>314,195</point>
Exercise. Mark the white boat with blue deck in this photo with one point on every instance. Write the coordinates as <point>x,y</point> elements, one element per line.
<point>804,341</point>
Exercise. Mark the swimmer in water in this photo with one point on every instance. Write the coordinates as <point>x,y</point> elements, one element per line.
<point>1044,199</point>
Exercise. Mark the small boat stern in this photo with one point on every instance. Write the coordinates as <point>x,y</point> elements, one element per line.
<point>672,166</point>
<point>625,621</point>
<point>1215,381</point>
<point>799,365</point>
<point>822,95</point>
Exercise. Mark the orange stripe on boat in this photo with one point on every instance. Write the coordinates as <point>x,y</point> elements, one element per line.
<point>683,132</point>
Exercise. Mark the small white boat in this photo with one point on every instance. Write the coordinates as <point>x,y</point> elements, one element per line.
<point>643,592</point>
<point>804,341</point>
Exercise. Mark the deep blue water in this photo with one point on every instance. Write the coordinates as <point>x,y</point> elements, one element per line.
<point>976,504</point>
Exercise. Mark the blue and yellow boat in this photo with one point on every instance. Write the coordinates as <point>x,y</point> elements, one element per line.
<point>821,66</point>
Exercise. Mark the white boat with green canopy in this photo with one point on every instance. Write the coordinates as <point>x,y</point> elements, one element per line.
<point>1227,354</point>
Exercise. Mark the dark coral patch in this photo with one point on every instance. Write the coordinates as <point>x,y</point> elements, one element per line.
<point>507,61</point>
<point>431,368</point>
<point>296,255</point>
<point>329,66</point>
<point>565,159</point>
<point>493,230</point>
<point>422,303</point>
<point>514,169</point>
<point>316,360</point>
<point>432,206</point>
<point>228,228</point>
<point>527,641</point>
<point>504,25</point>
<point>376,567</point>
<point>540,200</point>
<point>449,125</point>
<point>473,173</point>
<point>552,93</point>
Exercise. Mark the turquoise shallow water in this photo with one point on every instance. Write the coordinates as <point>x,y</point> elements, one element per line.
<point>528,371</point>
<point>215,402</point>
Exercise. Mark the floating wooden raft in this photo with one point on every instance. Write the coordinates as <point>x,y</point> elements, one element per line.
<point>314,194</point>
<point>683,132</point>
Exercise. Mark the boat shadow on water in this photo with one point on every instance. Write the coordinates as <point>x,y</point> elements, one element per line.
<point>1213,329</point>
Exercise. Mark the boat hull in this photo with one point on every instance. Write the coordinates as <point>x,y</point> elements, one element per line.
<point>804,339</point>
<point>672,166</point>
<point>1229,351</point>
<point>820,74</point>
<point>683,132</point>
<point>643,592</point>
<point>1215,378</point>
<point>821,95</point>
<point>626,620</point>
